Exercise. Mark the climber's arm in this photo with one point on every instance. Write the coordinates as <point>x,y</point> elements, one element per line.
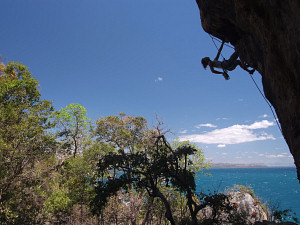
<point>220,50</point>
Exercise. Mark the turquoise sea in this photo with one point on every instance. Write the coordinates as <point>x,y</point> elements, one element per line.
<point>271,184</point>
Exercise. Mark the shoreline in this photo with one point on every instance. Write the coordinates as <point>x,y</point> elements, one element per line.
<point>228,166</point>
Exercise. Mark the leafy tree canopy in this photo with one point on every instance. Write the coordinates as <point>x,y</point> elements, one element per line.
<point>147,165</point>
<point>73,125</point>
<point>124,132</point>
<point>24,140</point>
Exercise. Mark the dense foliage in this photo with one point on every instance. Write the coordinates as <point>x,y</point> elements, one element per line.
<point>24,144</point>
<point>57,167</point>
<point>149,170</point>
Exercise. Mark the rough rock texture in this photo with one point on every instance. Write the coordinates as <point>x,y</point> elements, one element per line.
<point>244,204</point>
<point>248,205</point>
<point>267,33</point>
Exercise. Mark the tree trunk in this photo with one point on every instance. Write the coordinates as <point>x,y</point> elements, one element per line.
<point>148,211</point>
<point>193,211</point>
<point>168,213</point>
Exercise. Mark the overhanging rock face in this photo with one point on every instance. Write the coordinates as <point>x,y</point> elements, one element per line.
<point>267,34</point>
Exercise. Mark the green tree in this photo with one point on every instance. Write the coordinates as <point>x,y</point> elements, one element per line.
<point>148,169</point>
<point>77,176</point>
<point>136,144</point>
<point>74,178</point>
<point>73,132</point>
<point>73,125</point>
<point>58,205</point>
<point>24,143</point>
<point>125,133</point>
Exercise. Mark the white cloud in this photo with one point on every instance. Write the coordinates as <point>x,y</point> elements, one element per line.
<point>263,116</point>
<point>221,146</point>
<point>205,125</point>
<point>159,79</point>
<point>259,125</point>
<point>224,118</point>
<point>235,134</point>
<point>183,132</point>
<point>276,156</point>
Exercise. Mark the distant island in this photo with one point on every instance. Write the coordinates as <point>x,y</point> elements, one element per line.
<point>231,165</point>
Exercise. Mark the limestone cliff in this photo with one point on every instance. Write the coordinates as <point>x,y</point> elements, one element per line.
<point>267,33</point>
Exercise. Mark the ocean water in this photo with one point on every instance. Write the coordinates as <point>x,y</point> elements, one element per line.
<point>270,184</point>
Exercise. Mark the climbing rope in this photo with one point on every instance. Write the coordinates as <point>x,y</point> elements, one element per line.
<point>213,38</point>
<point>264,97</point>
<point>269,104</point>
<point>225,72</point>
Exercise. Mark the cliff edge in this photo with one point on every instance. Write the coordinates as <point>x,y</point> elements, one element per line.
<point>267,34</point>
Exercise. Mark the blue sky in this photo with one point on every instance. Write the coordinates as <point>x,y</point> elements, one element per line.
<point>142,58</point>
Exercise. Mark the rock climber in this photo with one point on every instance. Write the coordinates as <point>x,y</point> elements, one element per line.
<point>226,65</point>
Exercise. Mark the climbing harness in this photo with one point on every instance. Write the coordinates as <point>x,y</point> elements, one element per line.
<point>264,97</point>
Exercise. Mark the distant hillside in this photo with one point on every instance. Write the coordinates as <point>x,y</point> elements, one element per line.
<point>231,165</point>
